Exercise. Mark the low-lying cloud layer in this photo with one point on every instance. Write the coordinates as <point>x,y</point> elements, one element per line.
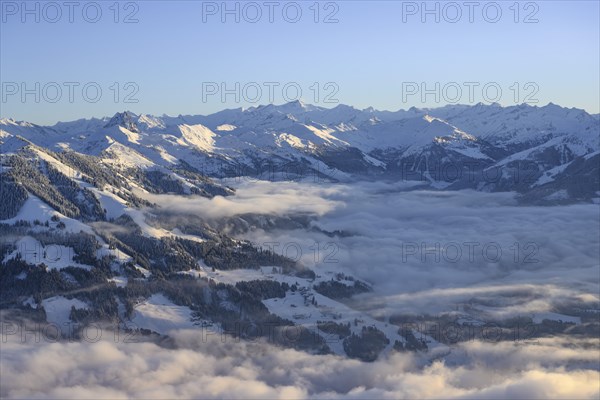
<point>258,197</point>
<point>430,251</point>
<point>208,368</point>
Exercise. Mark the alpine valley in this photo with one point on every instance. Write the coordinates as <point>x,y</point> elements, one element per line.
<point>223,223</point>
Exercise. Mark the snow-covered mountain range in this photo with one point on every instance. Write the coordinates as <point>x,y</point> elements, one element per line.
<point>547,153</point>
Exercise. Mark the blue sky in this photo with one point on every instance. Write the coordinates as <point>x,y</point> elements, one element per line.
<point>378,54</point>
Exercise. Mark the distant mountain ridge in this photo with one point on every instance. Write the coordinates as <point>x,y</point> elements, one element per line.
<point>547,153</point>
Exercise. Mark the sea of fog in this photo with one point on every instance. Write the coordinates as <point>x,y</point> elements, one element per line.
<point>423,252</point>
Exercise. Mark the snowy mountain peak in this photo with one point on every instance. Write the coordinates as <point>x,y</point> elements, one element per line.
<point>297,106</point>
<point>6,121</point>
<point>151,122</point>
<point>553,107</point>
<point>13,122</point>
<point>429,118</point>
<point>297,103</point>
<point>125,119</point>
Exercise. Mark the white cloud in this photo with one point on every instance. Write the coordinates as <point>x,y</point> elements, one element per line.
<point>252,197</point>
<point>209,368</point>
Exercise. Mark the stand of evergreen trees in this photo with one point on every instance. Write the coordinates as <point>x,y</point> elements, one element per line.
<point>337,290</point>
<point>367,346</point>
<point>12,196</point>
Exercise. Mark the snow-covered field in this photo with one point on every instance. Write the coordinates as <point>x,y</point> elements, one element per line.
<point>58,309</point>
<point>53,256</point>
<point>160,315</point>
